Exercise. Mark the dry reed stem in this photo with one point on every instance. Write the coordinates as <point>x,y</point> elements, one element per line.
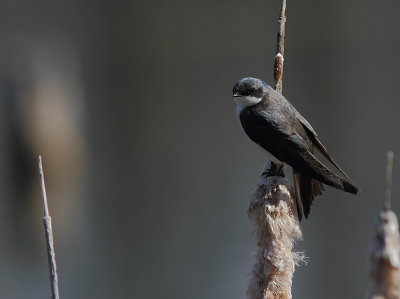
<point>280,48</point>
<point>275,227</point>
<point>48,230</point>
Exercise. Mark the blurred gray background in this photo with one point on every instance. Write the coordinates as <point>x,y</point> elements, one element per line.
<point>148,170</point>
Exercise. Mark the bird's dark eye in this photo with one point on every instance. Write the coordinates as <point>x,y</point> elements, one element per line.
<point>252,90</point>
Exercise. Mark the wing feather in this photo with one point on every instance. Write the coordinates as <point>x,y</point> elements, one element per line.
<point>313,136</point>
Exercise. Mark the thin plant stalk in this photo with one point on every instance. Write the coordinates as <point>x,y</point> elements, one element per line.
<point>48,230</point>
<point>280,48</point>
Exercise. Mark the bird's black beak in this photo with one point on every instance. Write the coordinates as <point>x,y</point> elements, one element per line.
<point>236,95</point>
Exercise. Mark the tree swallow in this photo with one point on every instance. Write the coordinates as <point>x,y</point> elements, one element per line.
<point>273,123</point>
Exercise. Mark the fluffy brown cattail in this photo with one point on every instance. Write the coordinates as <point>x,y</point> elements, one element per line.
<point>385,252</point>
<point>275,227</point>
<point>385,258</point>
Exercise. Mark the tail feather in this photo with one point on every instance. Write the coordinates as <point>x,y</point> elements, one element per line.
<point>318,187</point>
<point>308,182</point>
<point>307,190</point>
<point>307,194</point>
<point>297,188</point>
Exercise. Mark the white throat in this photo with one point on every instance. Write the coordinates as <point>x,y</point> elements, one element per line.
<point>245,101</point>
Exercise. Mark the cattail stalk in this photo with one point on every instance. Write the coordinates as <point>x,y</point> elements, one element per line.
<point>385,252</point>
<point>280,48</point>
<point>275,228</point>
<point>385,258</point>
<point>48,230</point>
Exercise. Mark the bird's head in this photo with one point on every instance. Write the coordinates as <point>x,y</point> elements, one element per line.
<point>249,91</point>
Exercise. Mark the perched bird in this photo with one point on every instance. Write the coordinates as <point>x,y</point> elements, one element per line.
<point>273,123</point>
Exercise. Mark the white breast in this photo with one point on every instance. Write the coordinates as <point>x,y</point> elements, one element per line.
<point>246,101</point>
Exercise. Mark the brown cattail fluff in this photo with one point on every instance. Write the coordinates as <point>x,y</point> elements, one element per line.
<point>273,215</point>
<point>385,258</point>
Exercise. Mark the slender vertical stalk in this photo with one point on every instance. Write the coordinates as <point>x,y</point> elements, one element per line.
<point>388,189</point>
<point>48,230</point>
<point>280,49</point>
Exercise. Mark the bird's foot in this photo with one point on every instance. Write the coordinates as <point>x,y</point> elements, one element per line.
<point>273,169</point>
